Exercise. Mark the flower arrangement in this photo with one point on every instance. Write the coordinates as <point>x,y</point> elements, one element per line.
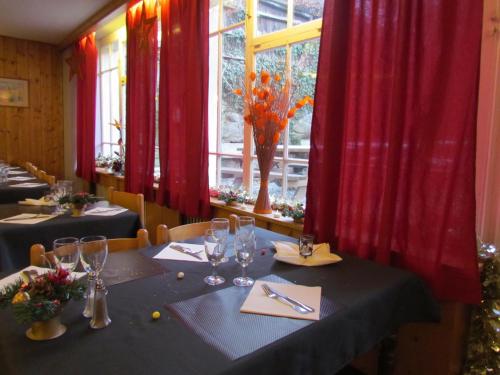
<point>269,105</point>
<point>37,298</point>
<point>115,163</point>
<point>78,199</point>
<point>296,211</point>
<point>230,196</point>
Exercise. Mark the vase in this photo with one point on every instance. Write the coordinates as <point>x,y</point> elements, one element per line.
<point>298,220</point>
<point>77,210</point>
<point>46,330</point>
<point>265,154</point>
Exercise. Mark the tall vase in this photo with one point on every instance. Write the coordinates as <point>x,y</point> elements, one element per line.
<point>77,209</point>
<point>265,155</point>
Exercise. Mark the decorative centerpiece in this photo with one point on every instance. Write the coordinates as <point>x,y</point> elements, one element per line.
<point>268,107</point>
<point>78,202</point>
<point>296,212</point>
<point>39,300</point>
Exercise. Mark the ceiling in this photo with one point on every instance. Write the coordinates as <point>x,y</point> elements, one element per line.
<point>48,21</point>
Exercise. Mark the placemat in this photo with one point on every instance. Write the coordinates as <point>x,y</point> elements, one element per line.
<point>130,265</point>
<point>216,318</point>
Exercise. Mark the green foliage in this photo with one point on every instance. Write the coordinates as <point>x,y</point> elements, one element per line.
<point>78,199</point>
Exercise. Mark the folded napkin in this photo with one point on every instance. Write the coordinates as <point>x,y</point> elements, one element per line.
<point>28,185</point>
<point>288,252</point>
<point>12,279</point>
<point>21,178</point>
<point>17,172</point>
<point>170,253</point>
<point>105,211</point>
<point>27,219</point>
<point>12,168</point>
<point>37,202</point>
<point>258,302</point>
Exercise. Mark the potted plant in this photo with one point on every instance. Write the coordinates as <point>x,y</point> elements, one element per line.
<point>39,300</point>
<point>78,202</point>
<point>296,212</point>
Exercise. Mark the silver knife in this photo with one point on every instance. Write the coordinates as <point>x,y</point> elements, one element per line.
<point>183,250</point>
<point>291,300</point>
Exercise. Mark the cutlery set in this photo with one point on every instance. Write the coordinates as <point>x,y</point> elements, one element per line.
<point>293,303</point>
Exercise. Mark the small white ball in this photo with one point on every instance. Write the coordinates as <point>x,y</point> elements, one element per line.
<point>180,275</point>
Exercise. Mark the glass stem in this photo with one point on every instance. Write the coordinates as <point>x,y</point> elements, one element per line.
<point>214,270</point>
<point>243,272</point>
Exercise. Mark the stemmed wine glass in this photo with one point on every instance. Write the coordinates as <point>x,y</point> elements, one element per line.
<point>215,252</point>
<point>59,190</point>
<point>93,254</point>
<point>244,248</point>
<point>66,253</point>
<point>221,229</point>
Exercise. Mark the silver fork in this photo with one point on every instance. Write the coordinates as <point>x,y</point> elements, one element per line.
<point>275,296</point>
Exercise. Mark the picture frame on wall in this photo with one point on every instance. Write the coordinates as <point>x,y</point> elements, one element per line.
<point>14,92</point>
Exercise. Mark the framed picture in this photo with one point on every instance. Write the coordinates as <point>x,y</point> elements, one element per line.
<point>13,92</point>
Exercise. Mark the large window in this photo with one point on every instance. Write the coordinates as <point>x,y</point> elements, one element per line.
<point>283,38</point>
<point>111,91</point>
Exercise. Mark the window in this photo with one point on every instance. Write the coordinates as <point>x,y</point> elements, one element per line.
<point>282,38</point>
<point>111,92</point>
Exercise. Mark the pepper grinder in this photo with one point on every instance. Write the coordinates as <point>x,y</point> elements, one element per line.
<point>100,317</point>
<point>89,304</point>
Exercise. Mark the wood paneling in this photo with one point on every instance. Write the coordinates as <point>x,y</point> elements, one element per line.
<point>34,133</point>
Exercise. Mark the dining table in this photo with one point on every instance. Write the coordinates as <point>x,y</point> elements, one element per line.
<point>10,193</point>
<point>201,329</point>
<point>16,238</point>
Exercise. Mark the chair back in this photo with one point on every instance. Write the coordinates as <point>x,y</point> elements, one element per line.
<point>134,202</point>
<point>28,166</point>
<point>185,232</point>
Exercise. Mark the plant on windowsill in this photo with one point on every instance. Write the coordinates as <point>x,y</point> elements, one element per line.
<point>296,212</point>
<point>268,107</point>
<point>118,164</point>
<point>78,202</point>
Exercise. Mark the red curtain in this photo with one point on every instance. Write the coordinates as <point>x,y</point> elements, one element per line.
<point>142,55</point>
<point>391,172</point>
<point>183,122</point>
<point>84,64</point>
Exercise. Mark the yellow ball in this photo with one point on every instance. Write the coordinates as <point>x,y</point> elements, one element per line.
<point>20,297</point>
<point>155,315</point>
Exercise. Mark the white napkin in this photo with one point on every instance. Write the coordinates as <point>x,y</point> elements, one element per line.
<point>27,219</point>
<point>12,279</point>
<point>105,211</point>
<point>288,252</point>
<point>12,168</point>
<point>28,185</point>
<point>16,172</point>
<point>169,253</point>
<point>21,178</point>
<point>37,202</point>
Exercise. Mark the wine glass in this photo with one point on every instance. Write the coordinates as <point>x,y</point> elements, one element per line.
<point>244,249</point>
<point>221,228</point>
<point>215,252</point>
<point>245,227</point>
<point>66,253</point>
<point>93,253</point>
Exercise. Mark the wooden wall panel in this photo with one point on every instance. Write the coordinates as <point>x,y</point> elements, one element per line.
<point>34,133</point>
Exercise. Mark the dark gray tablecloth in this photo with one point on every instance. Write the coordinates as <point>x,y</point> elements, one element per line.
<point>9,194</point>
<point>16,239</point>
<point>375,300</point>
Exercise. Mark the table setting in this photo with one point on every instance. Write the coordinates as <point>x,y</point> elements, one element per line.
<point>17,184</point>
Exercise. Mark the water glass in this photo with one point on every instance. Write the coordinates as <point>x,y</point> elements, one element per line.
<point>244,250</point>
<point>245,227</point>
<point>221,228</point>
<point>306,244</point>
<point>66,253</point>
<point>93,253</point>
<point>215,253</point>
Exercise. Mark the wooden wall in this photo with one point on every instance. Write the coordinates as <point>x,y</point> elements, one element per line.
<point>34,133</point>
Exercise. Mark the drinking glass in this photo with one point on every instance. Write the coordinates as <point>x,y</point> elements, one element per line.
<point>93,253</point>
<point>244,250</point>
<point>306,244</point>
<point>66,253</point>
<point>221,229</point>
<point>215,253</point>
<point>245,227</point>
<point>59,190</point>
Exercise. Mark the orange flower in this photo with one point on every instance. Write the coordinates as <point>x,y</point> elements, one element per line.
<point>310,101</point>
<point>276,138</point>
<point>265,77</point>
<point>248,119</point>
<point>291,112</point>
<point>299,105</point>
<point>237,92</point>
<point>261,139</point>
<point>260,123</point>
<point>255,91</point>
<point>277,77</point>
<point>283,124</point>
<point>253,76</point>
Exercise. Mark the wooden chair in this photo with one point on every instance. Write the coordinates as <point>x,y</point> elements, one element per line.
<point>51,180</point>
<point>180,233</point>
<point>28,166</point>
<point>134,202</point>
<point>41,174</point>
<point>39,257</point>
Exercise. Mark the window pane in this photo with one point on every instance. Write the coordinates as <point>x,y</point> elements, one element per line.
<point>231,171</point>
<point>307,10</point>
<point>233,11</point>
<point>105,106</point>
<point>115,103</point>
<point>297,182</point>
<point>114,55</point>
<point>213,14</point>
<point>213,83</point>
<point>212,170</point>
<point>304,64</point>
<point>271,15</point>
<point>233,71</point>
<point>105,58</point>
<point>272,60</point>
<point>275,179</point>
